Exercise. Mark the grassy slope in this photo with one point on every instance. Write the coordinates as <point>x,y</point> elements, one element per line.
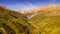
<point>47,22</point>
<point>12,22</point>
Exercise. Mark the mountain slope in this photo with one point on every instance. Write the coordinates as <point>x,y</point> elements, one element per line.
<point>12,22</point>
<point>47,20</point>
<point>50,10</point>
<point>41,20</point>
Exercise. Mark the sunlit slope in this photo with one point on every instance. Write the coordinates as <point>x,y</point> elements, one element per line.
<point>47,21</point>
<point>41,20</point>
<point>12,22</point>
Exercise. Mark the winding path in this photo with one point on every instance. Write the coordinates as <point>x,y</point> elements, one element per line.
<point>3,30</point>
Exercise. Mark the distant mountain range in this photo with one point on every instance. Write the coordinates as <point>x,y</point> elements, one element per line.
<point>41,20</point>
<point>49,10</point>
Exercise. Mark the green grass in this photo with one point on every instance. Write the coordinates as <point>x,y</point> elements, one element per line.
<point>13,22</point>
<point>50,24</point>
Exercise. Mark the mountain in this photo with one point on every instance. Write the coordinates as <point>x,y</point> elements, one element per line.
<point>12,22</point>
<point>52,9</point>
<point>41,20</point>
<point>47,20</point>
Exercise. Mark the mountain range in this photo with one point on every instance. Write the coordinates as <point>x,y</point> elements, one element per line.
<point>41,20</point>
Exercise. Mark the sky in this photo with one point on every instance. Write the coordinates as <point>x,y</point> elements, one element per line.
<point>26,4</point>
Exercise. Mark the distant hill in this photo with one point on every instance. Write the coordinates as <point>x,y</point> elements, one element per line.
<point>49,9</point>
<point>47,20</point>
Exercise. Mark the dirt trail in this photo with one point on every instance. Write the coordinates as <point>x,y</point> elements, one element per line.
<point>3,30</point>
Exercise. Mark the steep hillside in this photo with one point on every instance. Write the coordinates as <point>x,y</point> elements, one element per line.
<point>12,22</point>
<point>47,20</point>
<point>41,20</point>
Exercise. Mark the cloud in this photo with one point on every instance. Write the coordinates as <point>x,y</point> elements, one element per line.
<point>22,6</point>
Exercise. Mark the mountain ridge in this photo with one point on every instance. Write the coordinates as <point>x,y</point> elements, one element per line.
<point>38,21</point>
<point>49,9</point>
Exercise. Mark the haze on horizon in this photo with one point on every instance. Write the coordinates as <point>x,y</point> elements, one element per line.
<point>26,4</point>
